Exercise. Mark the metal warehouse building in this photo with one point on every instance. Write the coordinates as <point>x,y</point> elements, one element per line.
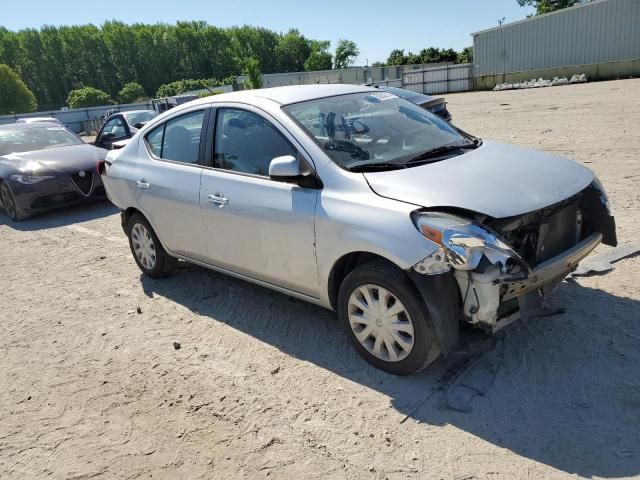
<point>600,38</point>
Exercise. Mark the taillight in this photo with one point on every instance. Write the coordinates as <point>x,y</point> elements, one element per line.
<point>101,167</point>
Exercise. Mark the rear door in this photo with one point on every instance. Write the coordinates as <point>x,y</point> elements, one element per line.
<point>168,182</point>
<point>254,225</point>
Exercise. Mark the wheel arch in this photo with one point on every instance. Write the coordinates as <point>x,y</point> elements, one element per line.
<point>126,215</point>
<point>440,294</point>
<point>345,265</point>
<point>128,212</point>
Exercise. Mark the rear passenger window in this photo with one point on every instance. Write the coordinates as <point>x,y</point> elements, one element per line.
<point>177,139</point>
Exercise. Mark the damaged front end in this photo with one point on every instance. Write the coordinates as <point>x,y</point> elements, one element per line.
<point>506,267</point>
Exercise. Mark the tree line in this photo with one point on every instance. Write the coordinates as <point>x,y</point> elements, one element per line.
<point>129,62</point>
<point>548,6</point>
<point>428,55</point>
<point>52,61</point>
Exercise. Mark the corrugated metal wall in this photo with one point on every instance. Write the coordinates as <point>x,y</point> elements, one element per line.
<point>354,75</point>
<point>441,79</point>
<point>598,32</point>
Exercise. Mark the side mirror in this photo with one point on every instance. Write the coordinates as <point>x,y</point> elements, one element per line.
<point>119,144</point>
<point>107,137</point>
<point>139,125</point>
<point>285,168</point>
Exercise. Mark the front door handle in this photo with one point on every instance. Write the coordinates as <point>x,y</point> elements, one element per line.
<point>218,199</point>
<point>143,185</point>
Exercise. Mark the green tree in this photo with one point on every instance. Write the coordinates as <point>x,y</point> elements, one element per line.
<point>292,51</point>
<point>397,57</point>
<point>15,96</point>
<point>254,74</point>
<point>546,6</point>
<point>131,92</point>
<point>88,97</point>
<point>465,56</point>
<point>346,53</point>
<point>320,58</point>
<point>181,86</point>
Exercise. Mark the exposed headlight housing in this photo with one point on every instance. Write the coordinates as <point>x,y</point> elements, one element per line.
<point>463,242</point>
<point>29,179</point>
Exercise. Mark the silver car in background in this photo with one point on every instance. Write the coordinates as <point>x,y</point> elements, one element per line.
<point>361,202</point>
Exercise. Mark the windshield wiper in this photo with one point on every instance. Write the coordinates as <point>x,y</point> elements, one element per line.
<point>439,151</point>
<point>375,167</point>
<point>348,147</point>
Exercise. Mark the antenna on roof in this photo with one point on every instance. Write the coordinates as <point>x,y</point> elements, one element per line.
<point>501,20</point>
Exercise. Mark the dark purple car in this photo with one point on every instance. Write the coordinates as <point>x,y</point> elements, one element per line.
<point>44,166</point>
<point>436,105</point>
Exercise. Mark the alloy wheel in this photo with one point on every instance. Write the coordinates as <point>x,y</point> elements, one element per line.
<point>143,246</point>
<point>8,202</point>
<point>381,323</point>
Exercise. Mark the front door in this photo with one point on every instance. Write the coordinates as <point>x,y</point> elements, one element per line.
<point>115,129</point>
<point>254,225</point>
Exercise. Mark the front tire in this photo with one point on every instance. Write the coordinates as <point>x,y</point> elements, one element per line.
<point>386,319</point>
<point>9,204</point>
<point>147,250</point>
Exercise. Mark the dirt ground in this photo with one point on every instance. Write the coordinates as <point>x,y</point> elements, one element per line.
<point>265,386</point>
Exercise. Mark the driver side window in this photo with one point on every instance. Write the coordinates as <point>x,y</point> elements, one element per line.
<point>245,142</point>
<point>115,127</point>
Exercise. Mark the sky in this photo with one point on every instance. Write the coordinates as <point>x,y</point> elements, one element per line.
<point>376,28</point>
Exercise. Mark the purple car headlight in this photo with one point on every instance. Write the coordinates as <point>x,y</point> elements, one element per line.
<point>29,179</point>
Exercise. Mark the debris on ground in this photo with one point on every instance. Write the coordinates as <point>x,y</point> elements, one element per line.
<point>176,345</point>
<point>474,380</point>
<point>541,82</point>
<point>602,262</point>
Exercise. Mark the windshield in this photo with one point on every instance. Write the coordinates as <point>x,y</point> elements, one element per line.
<point>30,139</point>
<point>373,128</point>
<point>139,117</point>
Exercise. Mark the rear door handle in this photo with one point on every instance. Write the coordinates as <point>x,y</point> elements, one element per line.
<point>218,199</point>
<point>143,185</point>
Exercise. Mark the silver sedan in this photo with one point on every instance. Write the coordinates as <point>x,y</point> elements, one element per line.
<point>363,203</point>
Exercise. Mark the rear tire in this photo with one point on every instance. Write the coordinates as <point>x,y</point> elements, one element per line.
<point>9,204</point>
<point>386,319</point>
<point>147,250</point>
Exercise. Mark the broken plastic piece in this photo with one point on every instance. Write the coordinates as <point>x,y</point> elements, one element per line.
<point>602,262</point>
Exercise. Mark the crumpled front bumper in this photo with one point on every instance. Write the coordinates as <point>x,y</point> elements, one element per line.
<point>485,293</point>
<point>555,268</point>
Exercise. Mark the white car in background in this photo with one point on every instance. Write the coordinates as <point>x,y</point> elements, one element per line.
<point>40,120</point>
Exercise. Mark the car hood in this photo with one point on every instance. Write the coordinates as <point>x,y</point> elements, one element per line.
<point>54,160</point>
<point>496,179</point>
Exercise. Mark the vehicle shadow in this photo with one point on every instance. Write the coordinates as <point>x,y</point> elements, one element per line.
<point>566,391</point>
<point>61,217</point>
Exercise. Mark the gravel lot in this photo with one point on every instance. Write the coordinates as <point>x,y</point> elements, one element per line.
<point>265,386</point>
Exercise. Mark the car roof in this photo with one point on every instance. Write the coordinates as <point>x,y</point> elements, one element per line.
<point>414,97</point>
<point>25,126</point>
<point>38,119</point>
<point>136,111</point>
<point>284,95</point>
